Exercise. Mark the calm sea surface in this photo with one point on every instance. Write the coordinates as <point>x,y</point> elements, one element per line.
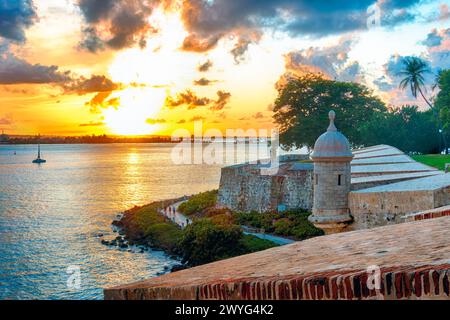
<point>51,214</point>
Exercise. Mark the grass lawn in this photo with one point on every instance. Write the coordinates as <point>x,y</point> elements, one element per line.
<point>435,160</point>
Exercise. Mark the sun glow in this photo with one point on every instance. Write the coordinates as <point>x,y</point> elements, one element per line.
<point>136,106</point>
<point>147,74</point>
<point>161,63</point>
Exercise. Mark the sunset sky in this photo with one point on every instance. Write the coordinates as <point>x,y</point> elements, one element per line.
<point>74,67</point>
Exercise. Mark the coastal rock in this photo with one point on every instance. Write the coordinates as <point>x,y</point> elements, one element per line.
<point>178,267</point>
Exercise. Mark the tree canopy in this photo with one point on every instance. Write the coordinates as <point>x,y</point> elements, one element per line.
<point>303,104</point>
<point>442,102</point>
<point>405,128</point>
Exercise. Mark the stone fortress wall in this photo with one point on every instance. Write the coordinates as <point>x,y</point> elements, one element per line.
<point>386,185</point>
<point>244,188</point>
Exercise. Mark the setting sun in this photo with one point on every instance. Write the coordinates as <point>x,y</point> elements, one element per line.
<point>137,105</point>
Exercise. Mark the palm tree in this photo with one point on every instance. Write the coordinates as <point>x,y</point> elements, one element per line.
<point>414,70</point>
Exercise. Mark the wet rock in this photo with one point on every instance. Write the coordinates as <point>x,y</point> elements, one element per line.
<point>123,245</point>
<point>99,235</point>
<point>178,267</point>
<point>105,242</point>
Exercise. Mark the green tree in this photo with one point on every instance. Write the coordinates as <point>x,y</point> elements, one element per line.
<point>301,109</point>
<point>414,71</point>
<point>405,128</point>
<point>204,241</point>
<point>442,102</point>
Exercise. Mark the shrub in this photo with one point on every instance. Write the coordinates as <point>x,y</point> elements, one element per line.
<point>222,219</point>
<point>301,227</point>
<point>199,202</point>
<point>204,241</point>
<point>164,235</point>
<point>153,227</point>
<point>292,223</point>
<point>256,220</point>
<point>283,226</point>
<point>254,244</point>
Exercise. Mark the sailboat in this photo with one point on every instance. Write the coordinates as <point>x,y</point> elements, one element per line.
<point>38,159</point>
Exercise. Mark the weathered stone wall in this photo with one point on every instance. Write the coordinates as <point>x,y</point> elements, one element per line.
<point>331,198</point>
<point>372,209</point>
<point>297,190</point>
<point>243,188</point>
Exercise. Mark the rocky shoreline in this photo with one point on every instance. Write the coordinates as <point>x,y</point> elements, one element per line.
<point>132,238</point>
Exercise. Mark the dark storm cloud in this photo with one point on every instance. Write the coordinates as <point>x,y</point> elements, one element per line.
<point>15,17</point>
<point>204,82</point>
<point>101,101</point>
<point>95,83</point>
<point>14,70</point>
<point>223,98</point>
<point>204,67</point>
<point>187,98</point>
<point>195,43</point>
<point>244,41</point>
<point>208,21</point>
<point>192,101</point>
<point>91,41</point>
<point>125,22</point>
<point>96,10</point>
<point>102,86</point>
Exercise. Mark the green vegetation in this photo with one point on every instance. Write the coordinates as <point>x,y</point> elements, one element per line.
<point>407,129</point>
<point>292,223</point>
<point>154,228</point>
<point>303,103</point>
<point>435,160</point>
<point>254,244</point>
<point>442,102</point>
<point>301,109</point>
<point>211,238</point>
<point>216,236</point>
<point>414,71</point>
<point>198,203</point>
<point>204,241</point>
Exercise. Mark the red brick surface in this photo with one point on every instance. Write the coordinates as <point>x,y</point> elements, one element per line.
<point>414,260</point>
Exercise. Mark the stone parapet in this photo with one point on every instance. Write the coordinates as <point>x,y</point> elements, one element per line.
<point>413,264</point>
